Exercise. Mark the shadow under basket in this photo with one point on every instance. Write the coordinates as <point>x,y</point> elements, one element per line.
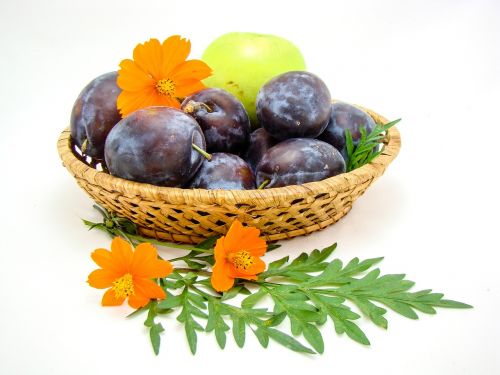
<point>192,215</point>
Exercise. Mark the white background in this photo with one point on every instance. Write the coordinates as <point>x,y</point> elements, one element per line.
<point>433,215</point>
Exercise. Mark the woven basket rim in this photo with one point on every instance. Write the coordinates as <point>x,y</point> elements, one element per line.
<point>191,196</point>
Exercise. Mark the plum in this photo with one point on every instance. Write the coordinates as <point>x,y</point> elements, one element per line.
<point>155,145</point>
<point>260,142</point>
<point>222,117</point>
<point>294,105</point>
<point>297,161</point>
<point>94,114</point>
<point>224,171</point>
<point>346,116</point>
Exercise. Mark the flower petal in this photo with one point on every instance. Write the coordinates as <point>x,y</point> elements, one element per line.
<point>109,299</point>
<point>121,253</point>
<point>132,78</point>
<point>220,279</point>
<point>192,69</point>
<point>232,240</point>
<point>188,87</point>
<point>101,278</point>
<point>175,51</point>
<point>103,259</point>
<point>148,288</point>
<point>146,263</point>
<point>149,57</point>
<point>220,250</point>
<point>128,102</point>
<point>137,301</point>
<point>256,268</point>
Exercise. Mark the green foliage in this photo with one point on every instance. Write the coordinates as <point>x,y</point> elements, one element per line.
<point>311,290</point>
<point>289,303</point>
<point>368,147</point>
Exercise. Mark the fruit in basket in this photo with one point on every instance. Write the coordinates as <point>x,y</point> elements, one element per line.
<point>155,145</point>
<point>224,171</point>
<point>346,116</point>
<point>222,117</point>
<point>243,62</point>
<point>297,161</point>
<point>260,142</point>
<point>294,105</point>
<point>94,114</point>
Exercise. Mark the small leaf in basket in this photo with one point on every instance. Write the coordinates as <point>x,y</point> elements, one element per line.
<point>208,244</point>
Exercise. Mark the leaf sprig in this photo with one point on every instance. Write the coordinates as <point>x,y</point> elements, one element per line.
<point>306,292</point>
<point>368,146</point>
<point>311,290</point>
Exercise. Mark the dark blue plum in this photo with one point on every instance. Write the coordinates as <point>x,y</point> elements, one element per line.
<point>260,142</point>
<point>154,145</point>
<point>94,114</point>
<point>294,105</point>
<point>346,116</point>
<point>224,171</point>
<point>222,117</point>
<point>297,161</point>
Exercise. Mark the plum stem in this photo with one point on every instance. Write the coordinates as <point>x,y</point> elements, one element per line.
<point>84,146</point>
<point>203,152</point>
<point>264,184</point>
<point>193,106</point>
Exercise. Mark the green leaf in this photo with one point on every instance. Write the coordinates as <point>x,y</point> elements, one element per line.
<point>262,336</point>
<point>238,330</point>
<point>154,335</point>
<point>367,147</point>
<point>252,299</point>
<point>272,246</point>
<point>216,322</point>
<point>313,337</point>
<point>288,341</point>
<point>231,293</point>
<point>170,302</point>
<point>208,244</point>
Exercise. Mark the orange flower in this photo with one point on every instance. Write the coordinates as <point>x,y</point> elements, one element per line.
<point>128,273</point>
<point>159,75</point>
<point>237,255</point>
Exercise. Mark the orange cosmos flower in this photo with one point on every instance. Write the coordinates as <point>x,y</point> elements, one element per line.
<point>159,75</point>
<point>237,255</point>
<point>128,273</point>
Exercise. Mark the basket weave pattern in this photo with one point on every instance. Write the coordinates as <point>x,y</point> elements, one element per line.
<point>192,215</point>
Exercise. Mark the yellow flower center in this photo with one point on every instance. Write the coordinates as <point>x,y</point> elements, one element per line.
<point>166,87</point>
<point>124,286</point>
<point>242,259</point>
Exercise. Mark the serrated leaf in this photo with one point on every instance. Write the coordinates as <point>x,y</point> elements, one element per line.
<point>231,293</point>
<point>208,244</point>
<point>354,332</point>
<point>288,341</point>
<point>313,336</point>
<point>253,299</point>
<point>238,330</point>
<point>262,336</point>
<point>275,320</point>
<point>154,336</point>
<point>170,302</point>
<point>277,263</point>
<point>273,246</point>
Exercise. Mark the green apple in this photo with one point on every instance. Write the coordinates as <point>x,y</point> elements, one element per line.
<point>243,62</point>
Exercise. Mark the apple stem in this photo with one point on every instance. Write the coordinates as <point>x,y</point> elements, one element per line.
<point>203,152</point>
<point>193,106</point>
<point>264,184</point>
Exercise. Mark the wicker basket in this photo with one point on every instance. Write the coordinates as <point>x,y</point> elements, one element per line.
<point>192,215</point>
